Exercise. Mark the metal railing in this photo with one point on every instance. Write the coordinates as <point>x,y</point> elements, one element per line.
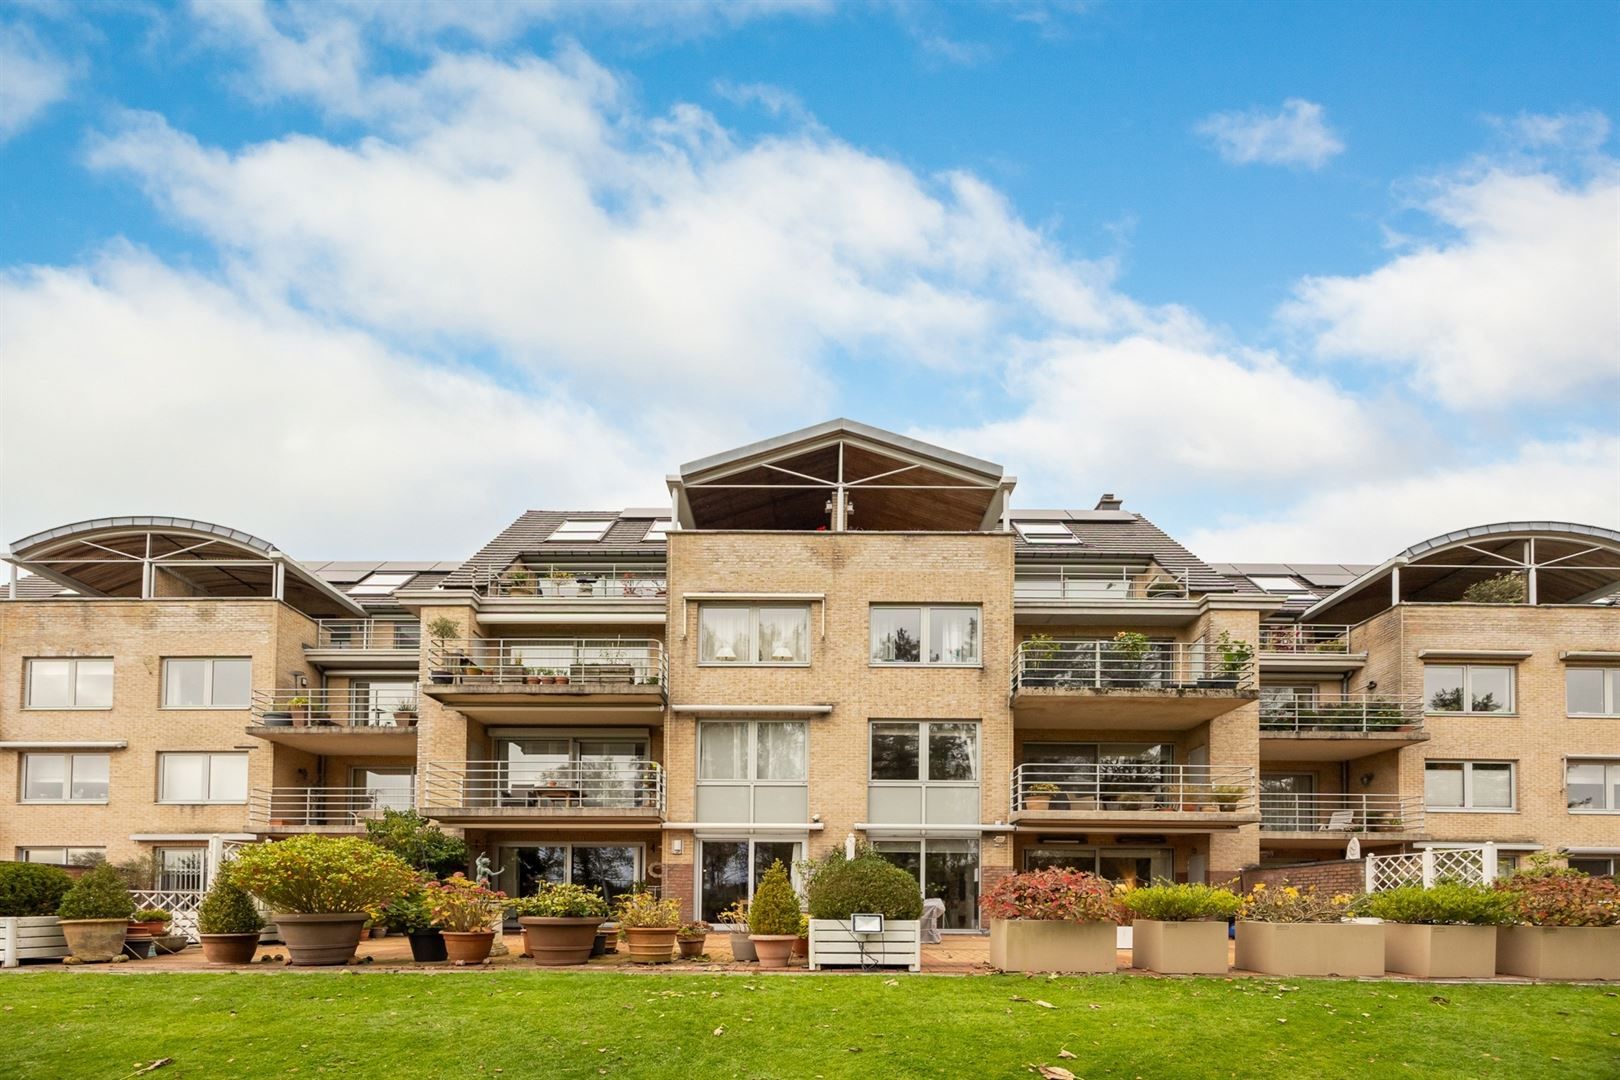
<point>1109,665</point>
<point>311,706</point>
<point>596,662</point>
<point>306,806</point>
<point>1347,713</point>
<point>399,635</point>
<point>559,787</point>
<point>1341,813</point>
<point>1133,786</point>
<point>627,581</point>
<point>1097,583</point>
<point>1292,639</point>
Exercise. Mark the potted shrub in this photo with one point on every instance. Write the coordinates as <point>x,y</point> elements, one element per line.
<point>463,910</point>
<point>735,918</point>
<point>1126,656</point>
<point>773,917</point>
<point>1039,665</point>
<point>152,920</point>
<point>1293,931</point>
<point>228,924</point>
<point>409,915</point>
<point>94,915</point>
<point>1569,926</point>
<point>533,676</point>
<point>405,713</point>
<point>298,709</point>
<point>30,893</point>
<point>1039,796</point>
<point>441,630</point>
<point>321,890</point>
<point>560,676</point>
<point>649,925</point>
<point>691,938</point>
<point>1236,655</point>
<point>1227,796</point>
<point>1057,919</point>
<point>1444,932</point>
<point>559,923</point>
<point>1180,929</point>
<point>867,884</point>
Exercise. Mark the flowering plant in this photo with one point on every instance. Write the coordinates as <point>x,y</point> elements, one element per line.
<point>322,875</point>
<point>561,900</point>
<point>462,906</point>
<point>1290,904</point>
<point>1056,894</point>
<point>1558,897</point>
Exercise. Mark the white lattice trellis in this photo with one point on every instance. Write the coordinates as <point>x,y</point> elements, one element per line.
<point>182,904</point>
<point>1474,865</point>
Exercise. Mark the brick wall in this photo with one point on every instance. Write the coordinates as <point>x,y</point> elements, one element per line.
<point>1332,877</point>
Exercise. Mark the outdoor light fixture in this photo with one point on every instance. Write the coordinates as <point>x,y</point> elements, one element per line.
<point>866,924</point>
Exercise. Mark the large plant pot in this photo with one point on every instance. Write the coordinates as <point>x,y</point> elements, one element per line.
<point>468,948</point>
<point>1440,952</point>
<point>1350,949</point>
<point>427,946</point>
<point>742,950</point>
<point>321,940</point>
<point>1179,948</point>
<point>558,942</point>
<point>773,949</point>
<point>651,944</point>
<point>1559,952</point>
<point>229,948</point>
<point>1038,945</point>
<point>94,941</point>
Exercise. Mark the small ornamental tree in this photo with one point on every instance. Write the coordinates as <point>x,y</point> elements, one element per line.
<point>228,910</point>
<point>418,841</point>
<point>99,894</point>
<point>775,910</point>
<point>1056,894</point>
<point>643,910</point>
<point>28,890</point>
<point>322,875</point>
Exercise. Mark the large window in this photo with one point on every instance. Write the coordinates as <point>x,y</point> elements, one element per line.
<point>1592,691</point>
<point>1468,785</point>
<point>941,751</point>
<point>61,856</point>
<point>611,869</point>
<point>730,870</point>
<point>1593,785</point>
<point>1596,865</point>
<point>180,868</point>
<point>207,683</point>
<point>752,750</point>
<point>925,635</point>
<point>202,778</point>
<point>65,777</point>
<point>946,870</point>
<point>1468,688</point>
<point>70,683</point>
<point>742,634</point>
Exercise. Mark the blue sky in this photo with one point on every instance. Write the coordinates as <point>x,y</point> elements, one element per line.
<point>1300,281</point>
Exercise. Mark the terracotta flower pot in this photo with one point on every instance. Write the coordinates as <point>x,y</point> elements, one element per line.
<point>691,948</point>
<point>651,944</point>
<point>558,942</point>
<point>1037,802</point>
<point>229,948</point>
<point>321,940</point>
<point>427,946</point>
<point>154,927</point>
<point>801,948</point>
<point>468,948</point>
<point>95,941</point>
<point>773,949</point>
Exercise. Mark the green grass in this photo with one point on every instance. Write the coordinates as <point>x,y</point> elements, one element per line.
<point>521,1024</point>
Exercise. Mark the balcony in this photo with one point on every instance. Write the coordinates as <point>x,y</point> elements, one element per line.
<point>323,720</point>
<point>1310,728</point>
<point>1331,819</point>
<point>288,810</point>
<point>377,643</point>
<point>1081,593</point>
<point>495,792</point>
<point>488,677</point>
<point>1166,686</point>
<point>1297,647</point>
<point>1135,795</point>
<point>578,584</point>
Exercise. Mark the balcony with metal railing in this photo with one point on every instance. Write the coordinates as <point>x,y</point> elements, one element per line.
<point>1327,819</point>
<point>1135,794</point>
<point>1129,680</point>
<point>1041,583</point>
<point>328,720</point>
<point>288,810</point>
<point>548,671</point>
<point>618,789</point>
<point>1301,647</point>
<point>381,642</point>
<point>1303,726</point>
<point>551,583</point>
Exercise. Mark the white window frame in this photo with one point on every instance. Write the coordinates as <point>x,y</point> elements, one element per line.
<point>1608,791</point>
<point>208,683</point>
<point>801,839</point>
<point>30,853</point>
<point>1509,708</point>
<point>753,777</point>
<point>1467,806</point>
<point>659,529</point>
<point>580,530</point>
<point>1611,689</point>
<point>922,752</point>
<point>208,777</point>
<point>753,635</point>
<point>1047,533</point>
<point>73,663</point>
<point>370,586</point>
<point>926,636</point>
<point>69,760</point>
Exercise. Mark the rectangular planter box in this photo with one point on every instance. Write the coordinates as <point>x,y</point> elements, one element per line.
<point>1559,952</point>
<point>1034,945</point>
<point>35,937</point>
<point>1350,949</point>
<point>832,945</point>
<point>1440,952</point>
<point>1180,948</point>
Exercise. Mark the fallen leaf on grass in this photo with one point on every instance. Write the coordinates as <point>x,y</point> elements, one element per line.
<point>158,1064</point>
<point>720,1031</point>
<point>1045,1004</point>
<point>1054,1072</point>
<point>1065,1054</point>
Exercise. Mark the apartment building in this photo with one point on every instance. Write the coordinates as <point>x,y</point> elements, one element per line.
<point>837,632</point>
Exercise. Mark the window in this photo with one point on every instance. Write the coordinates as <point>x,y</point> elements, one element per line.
<point>1596,865</point>
<point>1592,691</point>
<point>180,868</point>
<point>659,530</point>
<point>744,750</point>
<point>1592,785</point>
<point>611,868</point>
<point>65,777</point>
<point>943,752</point>
<point>379,584</point>
<point>373,702</point>
<point>70,684</point>
<point>730,870</point>
<point>1468,785</point>
<point>1277,584</point>
<point>740,634</point>
<point>1046,532</point>
<point>206,684</point>
<point>947,870</point>
<point>581,530</point>
<point>925,635</point>
<point>1470,688</point>
<point>202,778</point>
<point>62,856</point>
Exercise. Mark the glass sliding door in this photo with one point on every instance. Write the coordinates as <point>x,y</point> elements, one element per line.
<point>945,869</point>
<point>730,870</point>
<point>611,869</point>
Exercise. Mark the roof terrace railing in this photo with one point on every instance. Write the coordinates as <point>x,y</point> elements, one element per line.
<point>1094,584</point>
<point>623,581</point>
<point>1291,639</point>
<point>1110,664</point>
<point>1309,812</point>
<point>401,635</point>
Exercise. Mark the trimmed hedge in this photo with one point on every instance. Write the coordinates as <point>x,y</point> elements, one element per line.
<point>29,889</point>
<point>840,887</point>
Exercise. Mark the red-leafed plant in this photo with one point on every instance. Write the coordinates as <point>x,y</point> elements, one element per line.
<point>1564,898</point>
<point>1056,894</point>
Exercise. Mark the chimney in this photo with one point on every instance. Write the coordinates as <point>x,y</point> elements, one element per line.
<point>1110,501</point>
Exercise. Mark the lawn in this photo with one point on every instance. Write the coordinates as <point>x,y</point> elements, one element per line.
<point>520,1024</point>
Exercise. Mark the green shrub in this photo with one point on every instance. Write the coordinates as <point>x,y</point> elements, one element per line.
<point>1167,901</point>
<point>775,909</point>
<point>152,914</point>
<point>840,887</point>
<point>29,889</point>
<point>408,914</point>
<point>228,910</point>
<point>99,894</point>
<point>418,841</point>
<point>322,875</point>
<point>1447,903</point>
<point>560,900</point>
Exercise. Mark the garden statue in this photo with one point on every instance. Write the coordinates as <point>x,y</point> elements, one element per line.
<point>484,875</point>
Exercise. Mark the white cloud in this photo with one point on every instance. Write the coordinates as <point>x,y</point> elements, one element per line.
<point>1294,135</point>
<point>31,79</point>
<point>1520,305</point>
